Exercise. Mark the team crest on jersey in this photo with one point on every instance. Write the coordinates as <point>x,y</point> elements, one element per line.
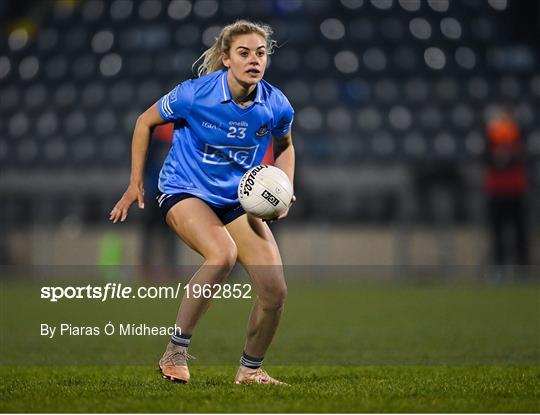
<point>262,131</point>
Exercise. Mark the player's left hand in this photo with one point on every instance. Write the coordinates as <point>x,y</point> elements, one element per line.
<point>284,214</point>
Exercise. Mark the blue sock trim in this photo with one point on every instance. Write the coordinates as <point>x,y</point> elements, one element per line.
<point>250,361</point>
<point>182,340</point>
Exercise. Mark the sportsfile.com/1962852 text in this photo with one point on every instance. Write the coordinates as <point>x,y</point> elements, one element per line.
<point>119,291</point>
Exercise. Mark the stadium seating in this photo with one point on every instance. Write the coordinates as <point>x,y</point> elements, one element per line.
<point>376,85</point>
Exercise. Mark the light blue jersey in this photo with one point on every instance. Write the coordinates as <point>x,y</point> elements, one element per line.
<point>215,141</point>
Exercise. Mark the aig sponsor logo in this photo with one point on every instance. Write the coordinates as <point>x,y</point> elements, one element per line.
<point>223,155</point>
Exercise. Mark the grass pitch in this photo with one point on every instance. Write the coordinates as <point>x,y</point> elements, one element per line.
<point>313,389</point>
<point>343,347</point>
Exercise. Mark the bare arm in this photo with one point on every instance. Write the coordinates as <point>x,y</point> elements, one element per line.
<point>284,155</point>
<point>284,159</point>
<point>139,148</point>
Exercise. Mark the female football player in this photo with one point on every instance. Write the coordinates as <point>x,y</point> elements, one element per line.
<point>223,122</point>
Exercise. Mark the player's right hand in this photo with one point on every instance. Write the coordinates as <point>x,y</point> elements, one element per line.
<point>120,210</point>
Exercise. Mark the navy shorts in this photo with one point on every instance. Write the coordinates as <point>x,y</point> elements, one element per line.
<point>225,214</point>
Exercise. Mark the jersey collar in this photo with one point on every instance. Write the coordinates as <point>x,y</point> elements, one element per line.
<point>225,95</point>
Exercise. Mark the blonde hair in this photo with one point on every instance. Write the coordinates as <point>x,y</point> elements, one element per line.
<point>211,58</point>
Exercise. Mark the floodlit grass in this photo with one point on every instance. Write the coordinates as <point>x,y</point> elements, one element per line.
<point>343,346</point>
<point>313,389</point>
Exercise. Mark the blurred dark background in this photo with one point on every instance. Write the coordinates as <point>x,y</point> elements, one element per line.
<point>393,100</point>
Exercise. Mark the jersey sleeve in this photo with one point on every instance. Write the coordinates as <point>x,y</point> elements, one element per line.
<point>283,122</point>
<point>177,103</point>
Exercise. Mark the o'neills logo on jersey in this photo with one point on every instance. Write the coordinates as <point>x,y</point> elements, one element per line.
<point>239,124</point>
<point>270,197</point>
<point>262,131</point>
<point>222,155</point>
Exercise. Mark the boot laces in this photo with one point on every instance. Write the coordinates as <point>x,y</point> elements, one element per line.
<point>178,357</point>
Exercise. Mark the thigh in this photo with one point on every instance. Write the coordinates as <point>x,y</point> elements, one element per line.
<point>259,254</point>
<point>198,226</point>
<point>255,242</point>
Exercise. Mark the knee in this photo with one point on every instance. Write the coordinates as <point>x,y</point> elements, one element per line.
<point>223,257</point>
<point>274,298</point>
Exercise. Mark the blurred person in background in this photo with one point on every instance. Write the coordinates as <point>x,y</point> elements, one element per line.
<point>223,122</point>
<point>158,245</point>
<point>506,188</point>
